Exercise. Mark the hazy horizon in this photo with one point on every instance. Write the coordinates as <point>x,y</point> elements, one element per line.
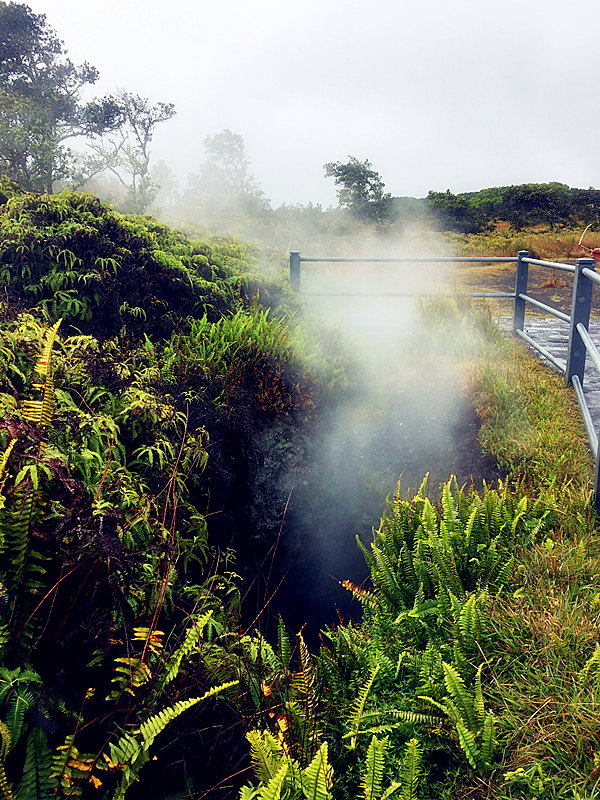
<point>438,96</point>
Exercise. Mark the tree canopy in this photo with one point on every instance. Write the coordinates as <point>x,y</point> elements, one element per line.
<point>453,212</point>
<point>40,99</point>
<point>361,191</point>
<point>127,153</point>
<point>223,183</point>
<point>41,106</point>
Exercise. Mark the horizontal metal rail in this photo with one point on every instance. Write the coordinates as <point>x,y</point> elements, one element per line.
<point>411,259</point>
<point>405,294</point>
<point>593,276</point>
<point>553,311</point>
<point>558,362</point>
<point>553,264</point>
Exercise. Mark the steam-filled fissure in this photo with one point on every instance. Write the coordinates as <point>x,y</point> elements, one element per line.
<point>405,415</point>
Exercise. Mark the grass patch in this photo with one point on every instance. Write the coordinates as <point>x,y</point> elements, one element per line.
<point>530,421</point>
<point>542,655</point>
<point>542,242</point>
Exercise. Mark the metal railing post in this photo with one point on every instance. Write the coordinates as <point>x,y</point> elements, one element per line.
<point>520,288</point>
<point>295,269</point>
<point>580,312</point>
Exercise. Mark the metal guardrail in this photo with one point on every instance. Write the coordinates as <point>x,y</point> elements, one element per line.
<point>296,259</point>
<point>580,343</point>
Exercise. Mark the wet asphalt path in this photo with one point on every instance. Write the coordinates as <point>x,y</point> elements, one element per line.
<point>554,336</point>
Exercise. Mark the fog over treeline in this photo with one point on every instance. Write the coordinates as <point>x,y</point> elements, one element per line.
<point>52,136</point>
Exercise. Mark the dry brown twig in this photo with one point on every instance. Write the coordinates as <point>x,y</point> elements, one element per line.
<point>595,253</point>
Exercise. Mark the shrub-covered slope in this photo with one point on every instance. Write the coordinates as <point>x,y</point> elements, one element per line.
<point>138,377</point>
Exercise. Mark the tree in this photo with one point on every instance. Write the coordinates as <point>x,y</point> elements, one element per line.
<point>223,183</point>
<point>453,212</point>
<point>40,100</point>
<point>227,152</point>
<point>127,155</point>
<point>362,191</point>
<point>585,205</point>
<point>535,203</point>
<point>166,182</point>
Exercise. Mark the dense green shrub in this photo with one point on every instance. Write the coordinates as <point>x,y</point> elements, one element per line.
<point>121,428</point>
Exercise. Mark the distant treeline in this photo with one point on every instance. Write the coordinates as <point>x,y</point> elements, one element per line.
<point>522,206</point>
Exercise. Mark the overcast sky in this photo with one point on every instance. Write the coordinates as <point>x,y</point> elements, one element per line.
<point>436,94</point>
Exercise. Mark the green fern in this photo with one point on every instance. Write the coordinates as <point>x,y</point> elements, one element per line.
<point>591,665</point>
<point>358,708</point>
<point>20,703</point>
<point>190,645</point>
<point>130,752</point>
<point>375,761</point>
<point>316,778</point>
<point>308,731</point>
<point>468,744</point>
<point>35,778</point>
<point>458,691</point>
<point>40,411</point>
<point>5,749</point>
<point>475,727</point>
<point>272,790</point>
<point>488,741</point>
<point>283,641</point>
<point>150,729</point>
<point>410,772</point>
<point>266,754</point>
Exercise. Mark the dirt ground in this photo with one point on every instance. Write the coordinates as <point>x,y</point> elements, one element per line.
<point>549,286</point>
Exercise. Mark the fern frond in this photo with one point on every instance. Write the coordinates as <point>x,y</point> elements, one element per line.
<point>457,689</point>
<point>272,791</point>
<point>410,772</point>
<point>125,751</point>
<point>393,787</point>
<point>303,685</point>
<point>364,596</point>
<point>190,644</point>
<point>413,717</point>
<point>479,695</point>
<point>285,647</point>
<point>316,778</point>
<point>374,764</point>
<point>409,576</point>
<point>16,530</point>
<point>35,780</point>
<point>248,793</point>
<point>60,758</point>
<point>358,707</point>
<point>3,476</point>
<point>19,705</point>
<point>266,754</point>
<point>469,622</point>
<point>488,740</point>
<point>40,411</point>
<point>43,366</point>
<point>6,737</point>
<point>130,752</point>
<point>448,508</point>
<point>504,572</point>
<point>593,663</point>
<point>153,726</point>
<point>468,745</point>
<point>5,786</point>
<point>446,568</point>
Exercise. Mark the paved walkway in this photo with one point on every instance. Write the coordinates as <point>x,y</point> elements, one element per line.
<point>554,336</point>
